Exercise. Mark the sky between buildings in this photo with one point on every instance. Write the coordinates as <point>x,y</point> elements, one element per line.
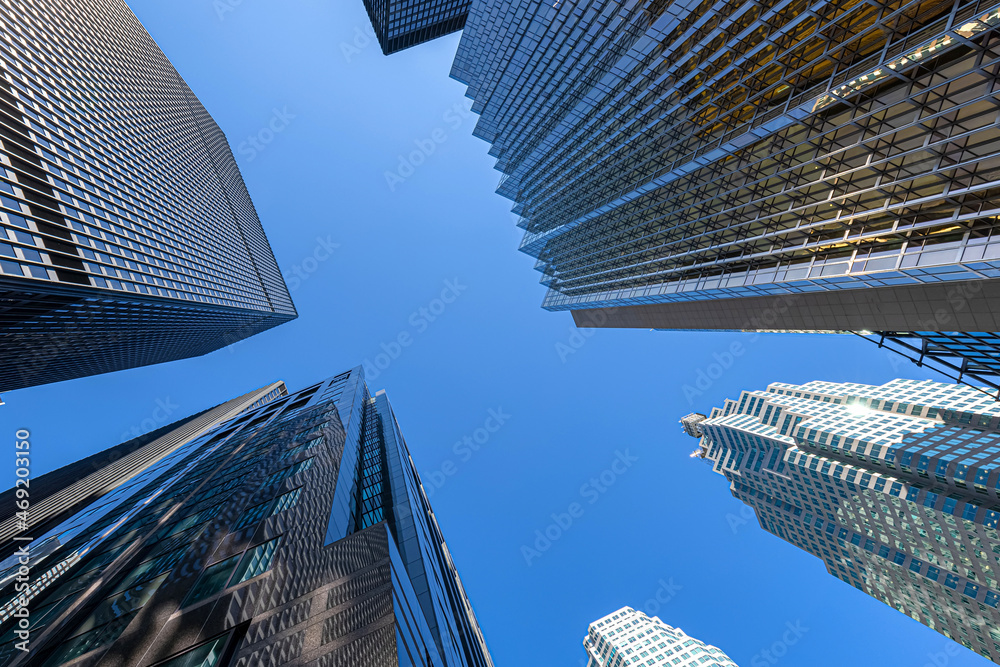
<point>380,206</point>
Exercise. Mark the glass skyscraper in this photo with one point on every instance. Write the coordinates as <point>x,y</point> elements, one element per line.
<point>754,166</point>
<point>630,637</point>
<point>895,487</point>
<point>400,24</point>
<point>276,529</point>
<point>127,236</point>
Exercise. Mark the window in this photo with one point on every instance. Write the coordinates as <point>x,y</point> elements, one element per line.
<point>270,508</point>
<point>286,501</point>
<point>206,655</point>
<point>284,474</point>
<point>152,568</point>
<point>106,623</point>
<point>89,641</point>
<point>253,515</point>
<point>211,581</point>
<point>256,562</point>
<point>187,522</point>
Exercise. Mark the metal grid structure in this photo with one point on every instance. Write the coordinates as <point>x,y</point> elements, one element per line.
<point>969,358</point>
<point>662,153</point>
<point>127,236</point>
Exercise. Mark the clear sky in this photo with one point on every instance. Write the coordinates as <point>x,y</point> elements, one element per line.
<point>364,254</point>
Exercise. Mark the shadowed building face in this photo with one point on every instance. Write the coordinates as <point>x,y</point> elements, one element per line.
<point>276,529</point>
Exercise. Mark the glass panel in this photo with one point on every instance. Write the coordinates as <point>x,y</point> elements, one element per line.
<point>117,605</point>
<point>287,500</point>
<point>152,568</point>
<point>89,641</point>
<point>252,515</point>
<point>256,562</point>
<point>206,655</point>
<point>211,581</point>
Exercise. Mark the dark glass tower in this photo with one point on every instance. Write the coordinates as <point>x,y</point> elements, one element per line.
<point>275,530</point>
<point>811,166</point>
<point>894,487</point>
<point>127,236</point>
<point>400,24</point>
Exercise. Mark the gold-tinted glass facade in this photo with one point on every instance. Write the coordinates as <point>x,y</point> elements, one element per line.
<point>664,153</point>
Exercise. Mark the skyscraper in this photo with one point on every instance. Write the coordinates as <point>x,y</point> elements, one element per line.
<point>400,24</point>
<point>753,166</point>
<point>630,637</point>
<point>127,236</point>
<point>276,529</point>
<point>896,488</point>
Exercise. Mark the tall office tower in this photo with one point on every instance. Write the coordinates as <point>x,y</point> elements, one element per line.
<point>127,236</point>
<point>810,166</point>
<point>400,24</point>
<point>276,529</point>
<point>630,637</point>
<point>896,488</point>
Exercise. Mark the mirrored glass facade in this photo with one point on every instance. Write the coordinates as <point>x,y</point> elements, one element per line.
<point>630,637</point>
<point>696,165</point>
<point>127,236</point>
<point>292,529</point>
<point>400,24</point>
<point>895,487</point>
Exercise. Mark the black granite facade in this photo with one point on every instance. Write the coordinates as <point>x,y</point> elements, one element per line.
<point>233,551</point>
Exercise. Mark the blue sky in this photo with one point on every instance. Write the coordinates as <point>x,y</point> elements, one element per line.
<point>365,253</point>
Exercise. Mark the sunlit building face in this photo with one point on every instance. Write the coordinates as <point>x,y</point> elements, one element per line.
<point>895,487</point>
<point>786,167</point>
<point>127,235</point>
